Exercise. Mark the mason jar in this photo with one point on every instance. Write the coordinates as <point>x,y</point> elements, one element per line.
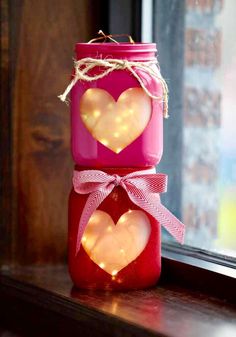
<point>121,246</point>
<point>114,122</point>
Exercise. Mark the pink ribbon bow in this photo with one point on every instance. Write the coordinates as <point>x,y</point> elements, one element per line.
<point>142,188</point>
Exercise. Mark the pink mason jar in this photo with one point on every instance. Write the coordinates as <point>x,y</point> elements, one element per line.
<point>114,121</point>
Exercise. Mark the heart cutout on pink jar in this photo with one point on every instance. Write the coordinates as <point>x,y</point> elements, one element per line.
<point>113,246</point>
<point>115,124</point>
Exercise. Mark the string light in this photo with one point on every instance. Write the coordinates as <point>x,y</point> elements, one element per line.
<point>89,92</point>
<point>118,150</point>
<point>104,141</point>
<point>118,119</point>
<point>115,124</point>
<point>96,113</point>
<point>123,219</point>
<point>112,246</point>
<point>94,217</point>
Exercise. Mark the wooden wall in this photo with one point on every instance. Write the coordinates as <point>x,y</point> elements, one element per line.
<point>37,41</point>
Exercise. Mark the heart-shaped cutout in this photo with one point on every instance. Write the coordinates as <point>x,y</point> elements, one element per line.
<point>115,124</point>
<point>111,246</point>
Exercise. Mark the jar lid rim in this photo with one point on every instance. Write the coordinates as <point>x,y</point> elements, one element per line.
<point>151,44</point>
<point>123,46</point>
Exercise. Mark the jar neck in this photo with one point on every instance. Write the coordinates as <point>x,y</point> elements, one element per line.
<point>128,51</point>
<point>121,171</point>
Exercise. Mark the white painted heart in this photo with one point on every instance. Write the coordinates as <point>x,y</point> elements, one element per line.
<point>111,246</point>
<point>115,124</point>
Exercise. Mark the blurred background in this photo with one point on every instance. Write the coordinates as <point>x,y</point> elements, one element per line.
<point>196,52</point>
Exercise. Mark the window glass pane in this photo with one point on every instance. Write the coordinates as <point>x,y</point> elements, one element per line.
<point>209,125</point>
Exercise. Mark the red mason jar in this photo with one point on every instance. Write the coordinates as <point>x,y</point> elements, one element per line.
<point>121,245</point>
<point>114,122</point>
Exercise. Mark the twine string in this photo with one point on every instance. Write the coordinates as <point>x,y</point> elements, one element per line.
<point>110,37</point>
<point>85,65</point>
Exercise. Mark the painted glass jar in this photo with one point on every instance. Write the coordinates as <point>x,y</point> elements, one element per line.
<point>121,246</point>
<point>114,122</point>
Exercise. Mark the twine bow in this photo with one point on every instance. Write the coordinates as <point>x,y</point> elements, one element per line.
<point>143,189</point>
<point>85,65</point>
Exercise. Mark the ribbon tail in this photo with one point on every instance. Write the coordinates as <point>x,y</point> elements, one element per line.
<point>173,225</point>
<point>92,203</point>
<point>150,202</point>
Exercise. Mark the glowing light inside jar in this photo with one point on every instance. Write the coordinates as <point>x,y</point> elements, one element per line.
<point>113,246</point>
<point>115,124</point>
<point>96,113</point>
<point>104,142</point>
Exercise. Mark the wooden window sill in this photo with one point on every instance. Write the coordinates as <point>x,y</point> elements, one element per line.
<point>41,301</point>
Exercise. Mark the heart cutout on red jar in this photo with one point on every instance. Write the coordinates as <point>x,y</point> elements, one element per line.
<point>113,246</point>
<point>115,124</point>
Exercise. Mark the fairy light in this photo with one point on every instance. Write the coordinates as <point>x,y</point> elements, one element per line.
<point>115,123</point>
<point>118,150</point>
<point>104,141</point>
<point>94,217</point>
<point>112,246</point>
<point>96,113</point>
<point>123,219</point>
<point>118,119</point>
<point>89,92</point>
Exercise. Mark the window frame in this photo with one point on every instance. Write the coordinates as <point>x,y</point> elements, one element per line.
<point>198,271</point>
<point>187,266</point>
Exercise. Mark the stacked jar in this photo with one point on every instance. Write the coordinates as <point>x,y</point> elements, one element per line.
<point>116,131</point>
